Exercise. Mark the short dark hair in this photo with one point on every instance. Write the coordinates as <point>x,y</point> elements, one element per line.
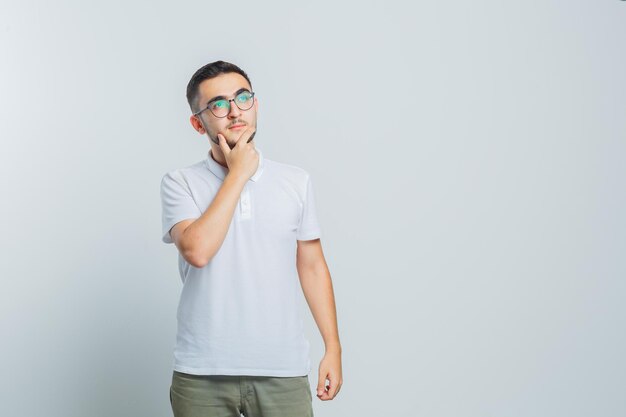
<point>209,71</point>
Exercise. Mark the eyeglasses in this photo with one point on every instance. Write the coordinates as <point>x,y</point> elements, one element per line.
<point>221,108</point>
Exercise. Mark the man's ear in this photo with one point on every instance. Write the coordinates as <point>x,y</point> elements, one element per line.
<point>195,122</point>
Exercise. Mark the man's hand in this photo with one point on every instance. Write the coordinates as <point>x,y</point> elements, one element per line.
<point>330,368</point>
<point>243,159</point>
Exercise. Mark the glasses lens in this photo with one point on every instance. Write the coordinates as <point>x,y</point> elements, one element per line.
<point>219,108</point>
<point>244,100</point>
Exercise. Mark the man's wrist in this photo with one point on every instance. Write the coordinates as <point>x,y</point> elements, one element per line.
<point>334,348</point>
<point>237,179</point>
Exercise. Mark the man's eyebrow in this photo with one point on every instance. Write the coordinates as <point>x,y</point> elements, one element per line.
<point>223,97</point>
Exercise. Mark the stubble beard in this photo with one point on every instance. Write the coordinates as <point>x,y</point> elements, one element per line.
<point>216,139</point>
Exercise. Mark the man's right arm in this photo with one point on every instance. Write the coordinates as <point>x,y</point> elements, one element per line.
<point>199,240</point>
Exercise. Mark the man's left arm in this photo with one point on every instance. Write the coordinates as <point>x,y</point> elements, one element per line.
<point>318,291</point>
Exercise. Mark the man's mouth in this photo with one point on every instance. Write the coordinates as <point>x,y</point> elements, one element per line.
<point>238,126</point>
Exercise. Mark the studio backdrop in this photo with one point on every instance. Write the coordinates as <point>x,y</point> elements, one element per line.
<point>468,162</point>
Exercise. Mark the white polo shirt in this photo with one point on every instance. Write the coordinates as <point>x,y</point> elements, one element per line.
<point>240,314</point>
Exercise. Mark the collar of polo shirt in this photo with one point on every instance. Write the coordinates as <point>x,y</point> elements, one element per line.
<point>220,171</point>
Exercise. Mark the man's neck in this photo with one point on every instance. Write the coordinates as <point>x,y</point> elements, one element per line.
<point>217,160</point>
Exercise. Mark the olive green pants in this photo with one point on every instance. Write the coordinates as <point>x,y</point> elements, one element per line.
<point>233,396</point>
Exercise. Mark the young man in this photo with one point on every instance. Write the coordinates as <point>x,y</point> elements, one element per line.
<point>248,239</point>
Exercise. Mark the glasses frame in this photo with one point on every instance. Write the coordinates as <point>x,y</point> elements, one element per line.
<point>229,105</point>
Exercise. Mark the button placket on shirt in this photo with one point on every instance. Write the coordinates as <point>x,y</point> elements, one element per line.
<point>245,205</point>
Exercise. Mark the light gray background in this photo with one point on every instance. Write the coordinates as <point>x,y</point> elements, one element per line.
<point>468,162</point>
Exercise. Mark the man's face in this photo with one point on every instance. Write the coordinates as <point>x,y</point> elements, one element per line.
<point>225,85</point>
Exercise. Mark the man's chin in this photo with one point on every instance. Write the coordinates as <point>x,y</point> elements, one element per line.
<point>231,145</point>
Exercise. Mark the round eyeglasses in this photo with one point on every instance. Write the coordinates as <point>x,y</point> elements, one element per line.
<point>220,108</point>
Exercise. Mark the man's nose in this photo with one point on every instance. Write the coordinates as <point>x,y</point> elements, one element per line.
<point>234,110</point>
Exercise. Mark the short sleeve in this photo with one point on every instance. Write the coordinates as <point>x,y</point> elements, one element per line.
<point>177,203</point>
<point>309,227</point>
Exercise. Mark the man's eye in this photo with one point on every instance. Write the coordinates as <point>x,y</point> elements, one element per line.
<point>242,98</point>
<point>219,104</point>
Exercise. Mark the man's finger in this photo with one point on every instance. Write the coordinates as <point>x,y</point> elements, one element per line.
<point>223,145</point>
<point>332,388</point>
<point>320,384</point>
<point>325,396</point>
<point>244,139</point>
